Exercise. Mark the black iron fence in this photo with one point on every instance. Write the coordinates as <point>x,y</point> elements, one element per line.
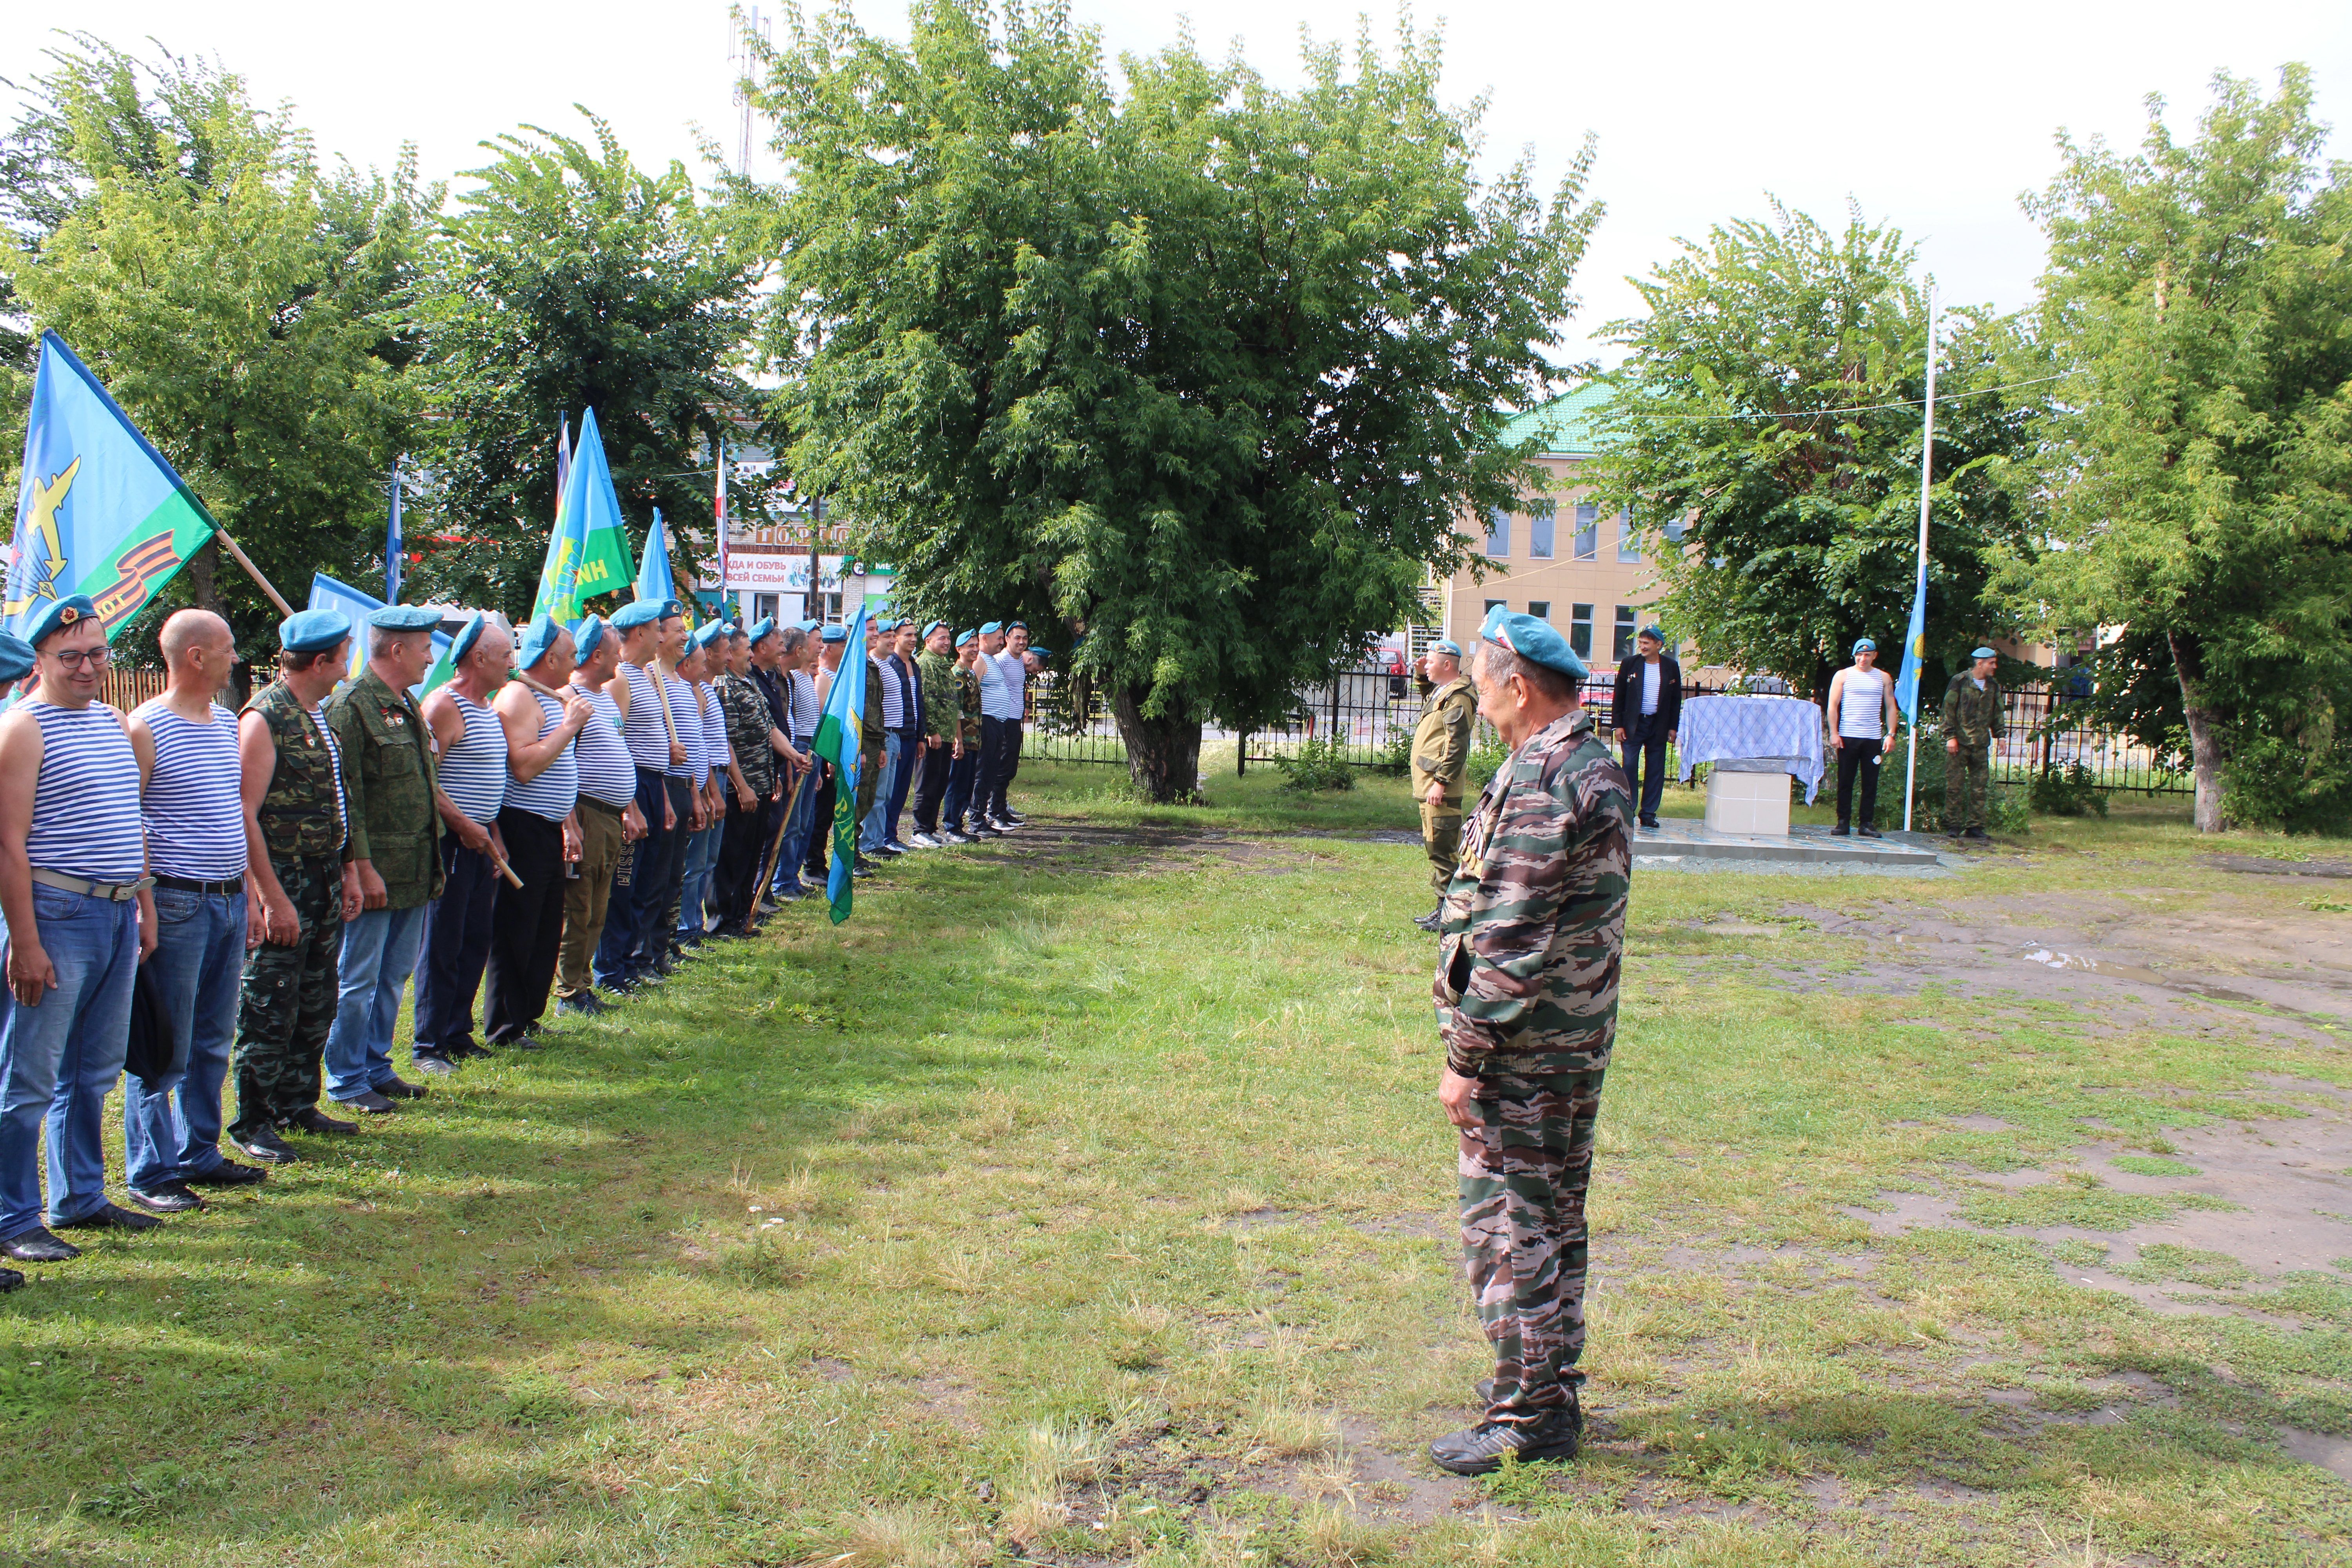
<point>1368,713</point>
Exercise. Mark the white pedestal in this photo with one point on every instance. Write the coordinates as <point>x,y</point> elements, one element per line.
<point>1748,803</point>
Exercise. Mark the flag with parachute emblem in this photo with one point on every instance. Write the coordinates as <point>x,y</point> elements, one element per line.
<point>588,553</point>
<point>840,732</point>
<point>99,512</point>
<point>1915,653</point>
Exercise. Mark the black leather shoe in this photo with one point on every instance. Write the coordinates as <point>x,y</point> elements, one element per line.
<point>171,1197</point>
<point>519,1043</point>
<point>1977,836</point>
<point>1431,921</point>
<point>107,1216</point>
<point>38,1245</point>
<point>1478,1451</point>
<point>1841,831</point>
<point>9,1280</point>
<point>317,1123</point>
<point>228,1174</point>
<point>369,1103</point>
<point>264,1144</point>
<point>468,1052</point>
<point>1868,832</point>
<point>397,1088</point>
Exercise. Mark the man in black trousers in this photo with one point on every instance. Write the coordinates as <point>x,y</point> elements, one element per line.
<point>1648,714</point>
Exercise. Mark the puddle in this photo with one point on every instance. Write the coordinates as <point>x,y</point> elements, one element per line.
<point>2331,1454</point>
<point>2050,959</point>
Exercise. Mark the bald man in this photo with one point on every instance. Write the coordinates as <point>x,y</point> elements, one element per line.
<point>472,742</point>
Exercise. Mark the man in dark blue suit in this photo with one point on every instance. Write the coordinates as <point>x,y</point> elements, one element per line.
<point>1648,714</point>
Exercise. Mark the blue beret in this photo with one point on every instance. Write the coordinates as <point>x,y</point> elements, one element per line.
<point>1447,644</point>
<point>406,619</point>
<point>1984,653</point>
<point>16,657</point>
<point>928,630</point>
<point>468,639</point>
<point>56,614</point>
<point>963,637</point>
<point>765,626</point>
<point>882,626</point>
<point>314,631</point>
<point>988,627</point>
<point>1041,652</point>
<point>1533,641</point>
<point>805,626</point>
<point>835,633</point>
<point>1864,644</point>
<point>1016,626</point>
<point>537,638</point>
<point>586,636</point>
<point>1654,632</point>
<point>637,613</point>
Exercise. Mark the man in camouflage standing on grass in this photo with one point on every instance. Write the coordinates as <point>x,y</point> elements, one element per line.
<point>1528,962</point>
<point>1971,728</point>
<point>1440,762</point>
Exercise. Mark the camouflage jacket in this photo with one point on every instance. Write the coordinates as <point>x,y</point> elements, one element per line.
<point>388,773</point>
<point>746,711</point>
<point>300,817</point>
<point>1440,742</point>
<point>938,695</point>
<point>1971,712</point>
<point>968,703</point>
<point>870,726</point>
<point>1535,918</point>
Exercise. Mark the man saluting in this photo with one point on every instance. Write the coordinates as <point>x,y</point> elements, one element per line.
<point>1533,934</point>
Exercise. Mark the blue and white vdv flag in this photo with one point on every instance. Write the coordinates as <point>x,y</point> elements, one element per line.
<point>1915,654</point>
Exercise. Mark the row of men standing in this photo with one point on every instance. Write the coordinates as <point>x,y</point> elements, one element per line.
<point>270,879</point>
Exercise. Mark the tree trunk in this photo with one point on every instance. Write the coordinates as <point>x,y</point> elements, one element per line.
<point>201,567</point>
<point>2204,733</point>
<point>1164,755</point>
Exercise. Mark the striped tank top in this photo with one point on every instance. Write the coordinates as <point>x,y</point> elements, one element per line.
<point>805,710</point>
<point>649,741</point>
<point>473,771</point>
<point>86,800</point>
<point>689,723</point>
<point>714,730</point>
<point>193,812</point>
<point>335,758</point>
<point>555,791</point>
<point>606,773</point>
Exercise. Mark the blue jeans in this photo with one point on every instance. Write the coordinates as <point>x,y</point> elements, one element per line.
<point>910,764</point>
<point>378,956</point>
<point>61,1055</point>
<point>961,771</point>
<point>800,820</point>
<point>701,855</point>
<point>877,826</point>
<point>172,1124</point>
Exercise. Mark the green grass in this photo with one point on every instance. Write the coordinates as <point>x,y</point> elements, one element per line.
<point>1110,1191</point>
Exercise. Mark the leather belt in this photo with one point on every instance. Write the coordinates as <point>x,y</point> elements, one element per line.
<point>112,892</point>
<point>608,808</point>
<point>226,890</point>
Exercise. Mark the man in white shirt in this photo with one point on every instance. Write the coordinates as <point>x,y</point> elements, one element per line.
<point>999,697</point>
<point>1014,662</point>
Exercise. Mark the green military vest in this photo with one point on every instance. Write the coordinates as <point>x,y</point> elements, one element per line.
<point>870,722</point>
<point>388,759</point>
<point>299,818</point>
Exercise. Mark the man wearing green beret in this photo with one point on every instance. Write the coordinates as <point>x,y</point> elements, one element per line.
<point>1528,962</point>
<point>1972,709</point>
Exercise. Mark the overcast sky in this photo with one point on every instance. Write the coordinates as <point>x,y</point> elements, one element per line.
<point>1933,119</point>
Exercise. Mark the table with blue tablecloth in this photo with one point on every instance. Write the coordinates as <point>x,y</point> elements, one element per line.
<point>1744,739</point>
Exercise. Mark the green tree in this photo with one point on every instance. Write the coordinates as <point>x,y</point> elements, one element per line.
<point>1771,406</point>
<point>248,308</point>
<point>2201,296</point>
<point>572,280</point>
<point>1207,375</point>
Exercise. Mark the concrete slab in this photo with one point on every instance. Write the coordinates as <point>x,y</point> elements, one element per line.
<point>1680,839</point>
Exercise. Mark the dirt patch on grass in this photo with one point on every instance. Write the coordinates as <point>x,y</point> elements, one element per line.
<point>2257,866</point>
<point>1046,846</point>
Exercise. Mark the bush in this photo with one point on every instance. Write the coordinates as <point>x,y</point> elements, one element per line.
<point>1316,764</point>
<point>2005,808</point>
<point>2066,792</point>
<point>2295,783</point>
<point>1395,759</point>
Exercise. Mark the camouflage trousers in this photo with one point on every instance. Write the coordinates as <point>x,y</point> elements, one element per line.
<point>1967,776</point>
<point>1525,1169</point>
<point>1441,835</point>
<point>288,1001</point>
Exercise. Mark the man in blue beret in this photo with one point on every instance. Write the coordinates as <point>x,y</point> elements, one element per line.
<point>391,778</point>
<point>626,952</point>
<point>15,661</point>
<point>304,885</point>
<point>1862,718</point>
<point>936,682</point>
<point>1972,716</point>
<point>472,745</point>
<point>607,822</point>
<point>1018,667</point>
<point>73,888</point>
<point>538,826</point>
<point>1526,988</point>
<point>1646,716</point>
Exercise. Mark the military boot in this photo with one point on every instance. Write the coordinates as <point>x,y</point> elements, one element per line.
<point>1431,920</point>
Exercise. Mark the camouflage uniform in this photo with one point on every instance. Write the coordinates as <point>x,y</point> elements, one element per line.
<point>287,1001</point>
<point>871,749</point>
<point>1441,754</point>
<point>1971,716</point>
<point>1527,1004</point>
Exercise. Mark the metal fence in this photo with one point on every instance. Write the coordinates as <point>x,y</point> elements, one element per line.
<point>2039,732</point>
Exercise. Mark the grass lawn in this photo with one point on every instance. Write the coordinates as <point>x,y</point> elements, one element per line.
<point>1085,1200</point>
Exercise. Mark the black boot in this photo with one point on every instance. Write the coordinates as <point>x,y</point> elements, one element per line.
<point>1478,1451</point>
<point>1433,919</point>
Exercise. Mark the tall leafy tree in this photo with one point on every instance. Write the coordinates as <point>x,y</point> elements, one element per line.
<point>246,306</point>
<point>1771,406</point>
<point>573,279</point>
<point>1206,375</point>
<point>2201,296</point>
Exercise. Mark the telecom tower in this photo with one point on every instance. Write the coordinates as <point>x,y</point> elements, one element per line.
<point>746,32</point>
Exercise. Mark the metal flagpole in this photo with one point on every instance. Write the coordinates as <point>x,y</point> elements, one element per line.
<point>393,543</point>
<point>1926,451</point>
<point>719,518</point>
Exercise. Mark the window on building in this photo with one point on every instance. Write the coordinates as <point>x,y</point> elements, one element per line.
<point>1494,604</point>
<point>1580,629</point>
<point>1624,646</point>
<point>1629,544</point>
<point>764,607</point>
<point>1676,528</point>
<point>1588,532</point>
<point>1539,524</point>
<point>1539,608</point>
<point>1498,534</point>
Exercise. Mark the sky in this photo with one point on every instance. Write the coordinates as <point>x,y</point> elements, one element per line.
<point>1932,118</point>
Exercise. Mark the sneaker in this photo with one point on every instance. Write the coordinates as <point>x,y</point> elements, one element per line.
<point>580,1008</point>
<point>228,1174</point>
<point>367,1103</point>
<point>1478,1451</point>
<point>791,895</point>
<point>397,1088</point>
<point>170,1197</point>
<point>469,1051</point>
<point>949,835</point>
<point>922,840</point>
<point>773,904</point>
<point>264,1144</point>
<point>433,1064</point>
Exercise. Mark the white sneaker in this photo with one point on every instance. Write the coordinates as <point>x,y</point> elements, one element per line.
<point>922,840</point>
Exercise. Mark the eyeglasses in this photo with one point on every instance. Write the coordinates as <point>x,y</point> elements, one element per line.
<point>73,659</point>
